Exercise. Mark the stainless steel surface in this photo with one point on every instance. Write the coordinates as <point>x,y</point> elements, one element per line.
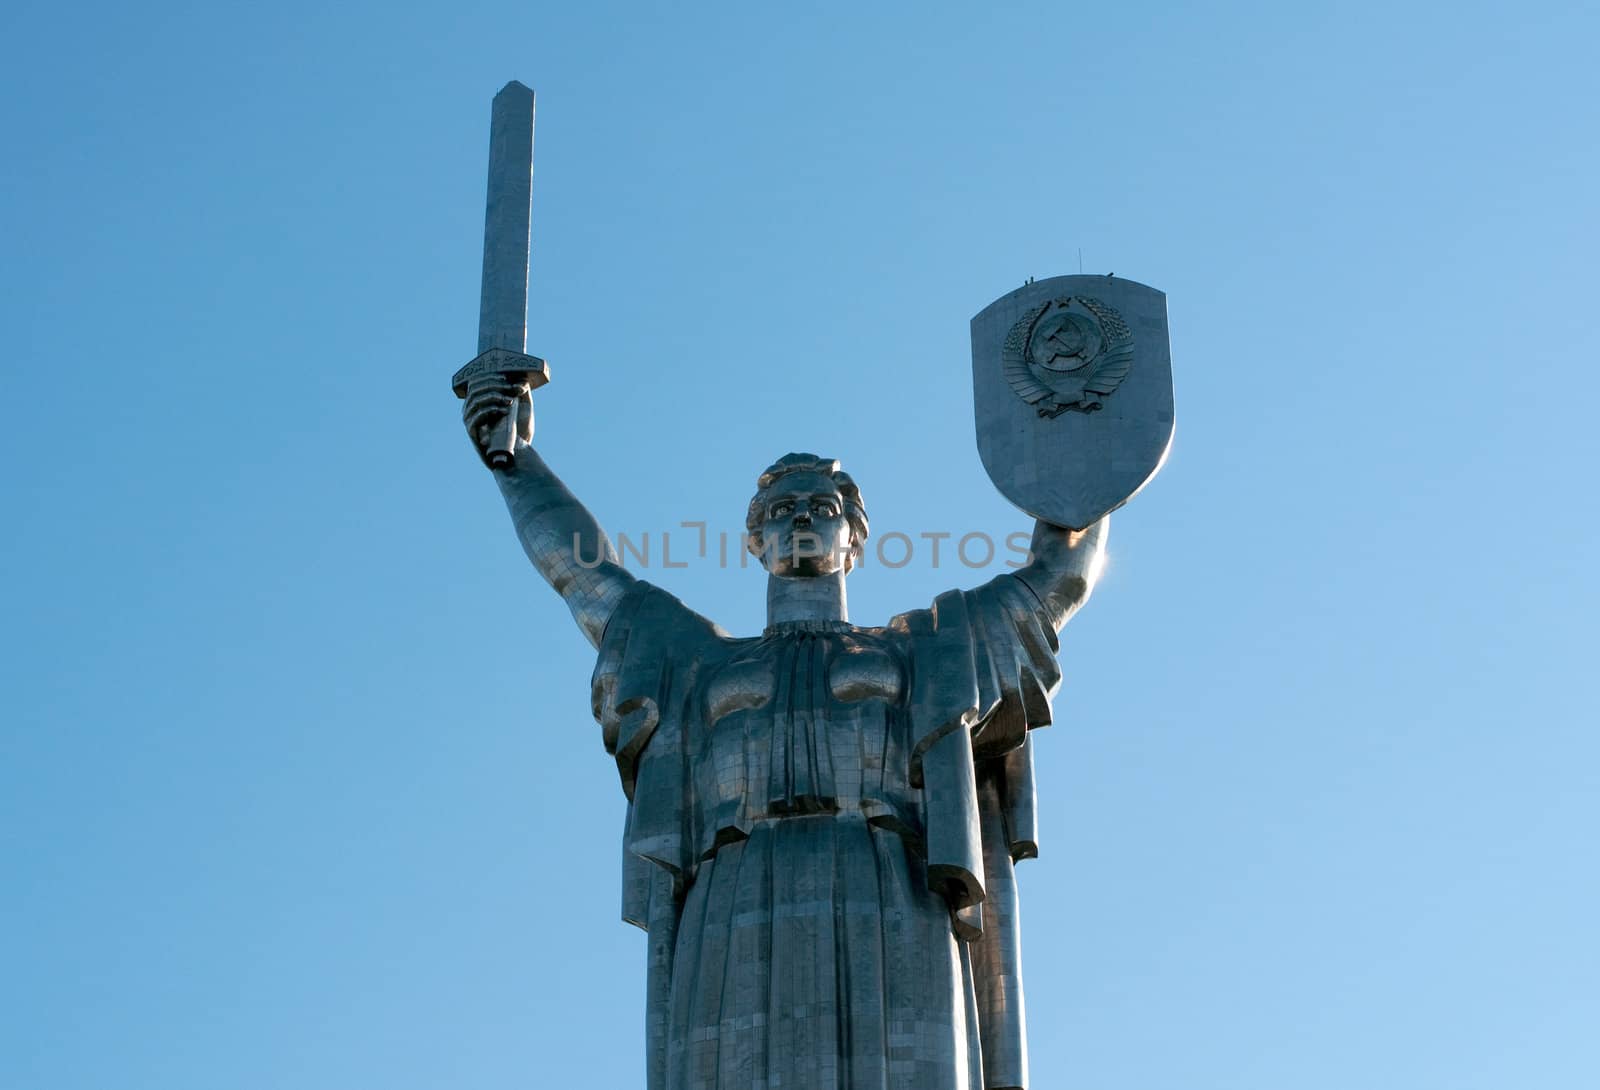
<point>507,222</point>
<point>1072,391</point>
<point>503,302</point>
<point>823,819</point>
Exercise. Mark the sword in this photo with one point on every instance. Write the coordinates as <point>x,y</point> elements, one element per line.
<point>503,302</point>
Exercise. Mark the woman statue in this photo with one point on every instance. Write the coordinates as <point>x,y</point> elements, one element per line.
<point>822,820</point>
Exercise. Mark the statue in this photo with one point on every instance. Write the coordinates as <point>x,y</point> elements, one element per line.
<point>823,819</point>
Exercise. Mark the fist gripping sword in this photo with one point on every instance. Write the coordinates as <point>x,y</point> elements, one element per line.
<point>503,305</point>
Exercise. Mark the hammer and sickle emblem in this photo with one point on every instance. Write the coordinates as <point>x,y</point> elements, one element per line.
<point>1068,353</point>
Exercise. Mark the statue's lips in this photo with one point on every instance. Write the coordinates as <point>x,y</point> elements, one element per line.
<point>797,543</point>
<point>807,541</point>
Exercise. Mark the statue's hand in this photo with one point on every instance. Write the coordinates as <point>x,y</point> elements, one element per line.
<point>492,406</point>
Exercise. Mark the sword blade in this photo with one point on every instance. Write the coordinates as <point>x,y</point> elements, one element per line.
<point>503,305</point>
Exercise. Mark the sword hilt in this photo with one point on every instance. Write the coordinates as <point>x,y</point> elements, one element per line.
<point>508,366</point>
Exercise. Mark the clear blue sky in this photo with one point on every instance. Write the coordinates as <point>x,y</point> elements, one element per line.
<point>298,782</point>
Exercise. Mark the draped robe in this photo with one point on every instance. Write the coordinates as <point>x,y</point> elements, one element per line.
<point>820,834</point>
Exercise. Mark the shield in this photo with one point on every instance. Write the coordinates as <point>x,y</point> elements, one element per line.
<point>1072,391</point>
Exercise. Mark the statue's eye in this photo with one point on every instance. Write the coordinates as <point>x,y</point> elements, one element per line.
<point>781,509</point>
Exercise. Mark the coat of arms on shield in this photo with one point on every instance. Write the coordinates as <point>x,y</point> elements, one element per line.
<point>1072,390</point>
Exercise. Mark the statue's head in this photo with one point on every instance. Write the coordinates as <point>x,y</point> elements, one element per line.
<point>806,518</point>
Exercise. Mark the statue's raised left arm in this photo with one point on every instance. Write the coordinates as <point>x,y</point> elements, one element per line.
<point>1063,566</point>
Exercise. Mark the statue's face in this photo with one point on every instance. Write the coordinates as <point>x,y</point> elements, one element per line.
<point>806,532</point>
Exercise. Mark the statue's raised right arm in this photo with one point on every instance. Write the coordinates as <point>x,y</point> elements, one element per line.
<point>558,533</point>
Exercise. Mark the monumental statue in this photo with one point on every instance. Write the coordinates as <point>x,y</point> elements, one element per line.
<point>822,819</point>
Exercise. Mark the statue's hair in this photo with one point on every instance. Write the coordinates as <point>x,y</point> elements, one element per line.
<point>855,509</point>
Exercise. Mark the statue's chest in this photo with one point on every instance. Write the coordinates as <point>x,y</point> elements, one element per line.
<point>797,724</point>
<point>805,672</point>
